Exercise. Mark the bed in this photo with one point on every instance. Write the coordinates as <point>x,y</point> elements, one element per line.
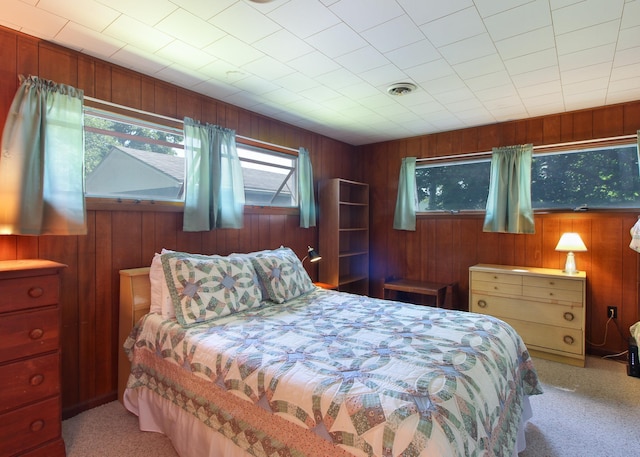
<point>243,355</point>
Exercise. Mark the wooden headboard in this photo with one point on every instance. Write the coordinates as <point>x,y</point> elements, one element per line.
<point>135,300</point>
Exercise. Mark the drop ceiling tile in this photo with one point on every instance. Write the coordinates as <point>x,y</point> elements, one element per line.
<point>627,56</point>
<point>516,21</point>
<point>304,17</point>
<point>602,70</point>
<point>137,34</point>
<point>189,28</point>
<point>526,43</point>
<point>148,12</point>
<point>283,45</point>
<point>631,14</point>
<point>532,62</point>
<point>244,22</point>
<point>296,82</point>
<point>625,72</point>
<point>19,15</point>
<point>629,84</point>
<point>88,41</point>
<point>204,10</point>
<point>178,75</point>
<point>321,94</point>
<point>413,54</point>
<point>313,64</point>
<point>256,85</point>
<point>492,7</point>
<point>89,13</point>
<point>589,37</point>
<point>540,76</point>
<point>359,91</point>
<point>468,49</point>
<point>362,59</point>
<point>587,57</point>
<point>360,15</point>
<point>383,76</point>
<point>233,50</point>
<point>223,71</point>
<point>143,61</point>
<point>425,11</point>
<point>338,78</point>
<point>504,90</point>
<point>336,41</point>
<point>590,85</point>
<point>479,67</point>
<point>488,81</point>
<point>444,85</point>
<point>585,13</point>
<point>268,67</point>
<point>585,100</point>
<point>629,38</point>
<point>282,96</point>
<point>393,34</point>
<point>215,89</point>
<point>429,71</point>
<point>454,28</point>
<point>182,53</point>
<point>540,90</point>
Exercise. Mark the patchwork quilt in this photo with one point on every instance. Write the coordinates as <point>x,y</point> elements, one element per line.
<point>330,373</point>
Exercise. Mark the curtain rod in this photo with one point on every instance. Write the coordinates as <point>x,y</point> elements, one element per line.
<point>180,121</point>
<point>536,148</point>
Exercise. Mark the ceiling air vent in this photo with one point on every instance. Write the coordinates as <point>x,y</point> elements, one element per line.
<point>401,89</point>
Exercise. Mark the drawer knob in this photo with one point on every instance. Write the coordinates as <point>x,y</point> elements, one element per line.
<point>482,304</point>
<point>37,425</point>
<point>568,339</point>
<point>36,379</point>
<point>35,292</point>
<point>569,316</point>
<point>36,333</point>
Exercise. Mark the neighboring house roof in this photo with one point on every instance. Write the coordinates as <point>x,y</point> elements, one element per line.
<point>167,164</point>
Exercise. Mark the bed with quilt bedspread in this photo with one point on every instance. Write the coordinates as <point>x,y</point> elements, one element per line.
<point>282,369</point>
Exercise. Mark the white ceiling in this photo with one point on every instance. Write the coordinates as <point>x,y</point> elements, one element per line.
<point>325,65</point>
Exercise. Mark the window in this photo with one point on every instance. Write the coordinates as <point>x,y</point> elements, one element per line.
<point>603,177</point>
<point>139,159</point>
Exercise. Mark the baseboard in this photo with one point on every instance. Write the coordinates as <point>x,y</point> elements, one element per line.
<point>80,407</point>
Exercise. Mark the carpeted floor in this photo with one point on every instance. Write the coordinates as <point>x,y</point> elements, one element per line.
<point>592,411</point>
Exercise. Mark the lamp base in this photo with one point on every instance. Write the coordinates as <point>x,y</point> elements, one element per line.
<point>570,264</point>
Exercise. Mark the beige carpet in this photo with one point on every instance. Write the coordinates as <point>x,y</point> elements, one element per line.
<point>590,412</point>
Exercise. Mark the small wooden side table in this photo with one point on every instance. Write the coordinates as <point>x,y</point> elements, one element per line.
<point>431,289</point>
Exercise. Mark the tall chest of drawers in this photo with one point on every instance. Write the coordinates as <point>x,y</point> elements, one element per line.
<point>30,406</point>
<point>545,306</point>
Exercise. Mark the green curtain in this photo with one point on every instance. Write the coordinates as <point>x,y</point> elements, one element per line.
<point>509,207</point>
<point>214,187</point>
<point>41,174</point>
<point>306,199</point>
<point>407,199</point>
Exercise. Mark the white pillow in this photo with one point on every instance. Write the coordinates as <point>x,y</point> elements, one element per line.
<point>160,298</point>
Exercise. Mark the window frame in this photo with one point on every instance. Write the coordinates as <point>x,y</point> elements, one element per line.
<point>557,148</point>
<point>173,206</point>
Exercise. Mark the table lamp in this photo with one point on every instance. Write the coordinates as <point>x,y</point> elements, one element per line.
<point>570,243</point>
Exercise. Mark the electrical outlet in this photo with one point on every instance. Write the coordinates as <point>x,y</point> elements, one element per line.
<point>612,311</point>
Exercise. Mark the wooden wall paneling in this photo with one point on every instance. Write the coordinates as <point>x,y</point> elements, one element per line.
<point>534,133</point>
<point>57,65</point>
<point>87,317</point>
<point>8,77</point>
<point>551,129</point>
<point>188,105</point>
<point>8,247</point>
<point>488,137</point>
<point>106,300</point>
<point>631,118</point>
<point>27,247</point>
<point>165,100</point>
<point>582,125</point>
<point>508,134</point>
<point>550,236</point>
<point>566,127</point>
<point>608,121</point>
<point>606,272</point>
<point>520,249</point>
<point>27,59</point>
<point>533,245</point>
<point>444,246</point>
<point>86,76</point>
<point>147,94</point>
<point>469,140</point>
<point>165,230</point>
<point>126,88</point>
<point>102,81</point>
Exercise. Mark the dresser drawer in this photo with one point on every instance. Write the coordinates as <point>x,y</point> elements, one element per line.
<point>29,380</point>
<point>527,310</point>
<point>496,277</point>
<point>554,295</point>
<point>548,337</point>
<point>30,292</point>
<point>496,287</point>
<point>29,333</point>
<point>30,426</point>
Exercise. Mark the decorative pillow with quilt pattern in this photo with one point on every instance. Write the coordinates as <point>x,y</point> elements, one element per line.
<point>203,287</point>
<point>282,274</point>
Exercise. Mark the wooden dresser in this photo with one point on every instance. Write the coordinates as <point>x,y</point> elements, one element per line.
<point>546,307</point>
<point>30,406</point>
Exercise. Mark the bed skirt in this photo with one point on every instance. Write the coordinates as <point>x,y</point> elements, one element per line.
<point>192,438</point>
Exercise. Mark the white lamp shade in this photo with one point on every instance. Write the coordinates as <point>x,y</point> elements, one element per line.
<point>571,242</point>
